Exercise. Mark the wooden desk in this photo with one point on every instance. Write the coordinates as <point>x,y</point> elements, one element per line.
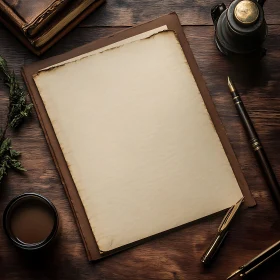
<point>177,255</point>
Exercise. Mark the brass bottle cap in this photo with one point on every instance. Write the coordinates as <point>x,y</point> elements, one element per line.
<point>246,12</point>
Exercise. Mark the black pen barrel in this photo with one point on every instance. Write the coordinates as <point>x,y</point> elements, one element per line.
<point>257,261</point>
<point>269,176</point>
<point>246,120</point>
<point>210,253</point>
<point>260,259</point>
<point>258,150</point>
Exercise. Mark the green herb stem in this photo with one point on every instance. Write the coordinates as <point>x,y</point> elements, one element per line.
<point>18,110</point>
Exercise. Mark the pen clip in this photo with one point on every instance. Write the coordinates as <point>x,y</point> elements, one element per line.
<point>230,215</point>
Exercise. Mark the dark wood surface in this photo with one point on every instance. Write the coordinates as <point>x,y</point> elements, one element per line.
<point>176,255</point>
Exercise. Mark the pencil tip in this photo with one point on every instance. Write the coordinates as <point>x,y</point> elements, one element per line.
<point>233,274</point>
<point>230,85</point>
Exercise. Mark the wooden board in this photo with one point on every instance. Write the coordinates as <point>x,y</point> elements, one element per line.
<point>175,256</point>
<point>128,12</point>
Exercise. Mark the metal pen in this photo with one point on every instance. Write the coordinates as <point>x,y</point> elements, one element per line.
<point>221,234</point>
<point>256,145</point>
<point>256,262</point>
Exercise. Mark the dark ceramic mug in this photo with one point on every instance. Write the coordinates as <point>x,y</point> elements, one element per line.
<point>31,221</point>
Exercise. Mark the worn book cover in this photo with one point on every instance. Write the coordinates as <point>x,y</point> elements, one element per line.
<point>39,24</point>
<point>30,16</point>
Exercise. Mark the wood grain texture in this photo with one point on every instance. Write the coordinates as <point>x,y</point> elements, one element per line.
<point>196,12</point>
<point>176,255</point>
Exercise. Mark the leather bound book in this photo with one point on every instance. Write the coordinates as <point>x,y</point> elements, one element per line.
<point>31,15</point>
<point>40,24</point>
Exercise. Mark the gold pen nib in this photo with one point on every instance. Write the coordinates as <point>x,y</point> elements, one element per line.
<point>233,274</point>
<point>231,85</point>
<point>230,215</point>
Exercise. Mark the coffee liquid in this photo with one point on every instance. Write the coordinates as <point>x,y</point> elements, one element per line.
<point>31,220</point>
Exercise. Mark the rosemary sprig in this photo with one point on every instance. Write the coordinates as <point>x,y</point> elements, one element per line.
<point>8,158</point>
<point>18,110</point>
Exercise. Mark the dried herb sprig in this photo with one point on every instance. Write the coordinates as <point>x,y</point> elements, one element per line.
<point>18,110</point>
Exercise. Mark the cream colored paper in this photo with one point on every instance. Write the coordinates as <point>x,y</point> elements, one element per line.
<point>117,44</point>
<point>138,140</point>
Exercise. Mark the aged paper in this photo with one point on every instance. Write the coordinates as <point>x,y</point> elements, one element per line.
<point>117,44</point>
<point>138,140</point>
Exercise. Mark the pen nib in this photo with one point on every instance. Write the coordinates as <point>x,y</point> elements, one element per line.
<point>230,85</point>
<point>233,274</point>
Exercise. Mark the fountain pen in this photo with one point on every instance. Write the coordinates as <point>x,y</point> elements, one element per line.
<point>223,229</point>
<point>257,261</point>
<point>259,152</point>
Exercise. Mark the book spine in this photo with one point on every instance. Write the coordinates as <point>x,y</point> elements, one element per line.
<point>11,15</point>
<point>72,18</point>
<point>40,21</point>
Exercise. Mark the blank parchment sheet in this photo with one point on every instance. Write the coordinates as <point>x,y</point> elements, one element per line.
<point>138,140</point>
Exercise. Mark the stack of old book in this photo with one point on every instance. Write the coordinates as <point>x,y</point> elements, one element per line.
<point>40,24</point>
